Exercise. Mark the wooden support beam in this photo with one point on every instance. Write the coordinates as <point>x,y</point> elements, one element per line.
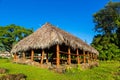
<point>95,57</point>
<point>57,55</point>
<point>23,55</point>
<point>32,55</point>
<point>42,58</point>
<point>84,57</point>
<point>15,57</point>
<point>46,58</point>
<point>69,56</point>
<point>88,57</point>
<point>78,57</point>
<point>91,57</point>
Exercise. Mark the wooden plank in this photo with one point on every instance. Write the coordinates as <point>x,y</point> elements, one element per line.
<point>64,52</point>
<point>32,55</point>
<point>74,54</point>
<point>28,57</point>
<point>37,56</point>
<point>57,55</point>
<point>42,57</point>
<point>78,58</point>
<point>69,56</point>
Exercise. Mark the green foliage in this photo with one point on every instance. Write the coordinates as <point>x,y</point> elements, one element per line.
<point>107,42</point>
<point>106,19</point>
<point>107,47</point>
<point>106,71</point>
<point>11,34</point>
<point>72,70</point>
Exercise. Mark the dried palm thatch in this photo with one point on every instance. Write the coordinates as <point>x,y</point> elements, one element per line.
<point>49,35</point>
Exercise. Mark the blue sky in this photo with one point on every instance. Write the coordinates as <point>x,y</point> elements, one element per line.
<point>73,16</point>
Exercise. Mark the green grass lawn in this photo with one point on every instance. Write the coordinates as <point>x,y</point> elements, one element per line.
<point>106,71</point>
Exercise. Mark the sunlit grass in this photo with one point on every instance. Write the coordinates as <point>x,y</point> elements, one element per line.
<point>106,71</point>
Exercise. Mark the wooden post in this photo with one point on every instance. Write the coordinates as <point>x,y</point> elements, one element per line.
<point>93,57</point>
<point>32,55</point>
<point>78,57</point>
<point>23,55</point>
<point>57,56</point>
<point>46,58</point>
<point>42,58</point>
<point>15,56</point>
<point>69,56</point>
<point>96,57</point>
<point>88,57</point>
<point>84,57</point>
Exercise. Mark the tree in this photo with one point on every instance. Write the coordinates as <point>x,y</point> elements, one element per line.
<point>107,49</point>
<point>107,19</point>
<point>107,25</point>
<point>11,34</point>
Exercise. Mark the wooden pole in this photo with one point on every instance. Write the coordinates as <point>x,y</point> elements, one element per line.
<point>42,57</point>
<point>23,55</point>
<point>57,55</point>
<point>15,56</point>
<point>96,57</point>
<point>84,59</point>
<point>32,55</point>
<point>69,56</point>
<point>78,58</point>
<point>93,57</point>
<point>46,58</point>
<point>88,57</point>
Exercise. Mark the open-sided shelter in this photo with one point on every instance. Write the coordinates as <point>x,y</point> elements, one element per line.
<point>51,44</point>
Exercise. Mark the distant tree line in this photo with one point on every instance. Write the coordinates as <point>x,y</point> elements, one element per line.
<point>107,26</point>
<point>10,35</point>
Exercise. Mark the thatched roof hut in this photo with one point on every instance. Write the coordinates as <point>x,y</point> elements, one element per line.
<point>49,35</point>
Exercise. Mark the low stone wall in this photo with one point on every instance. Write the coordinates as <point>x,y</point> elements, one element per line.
<point>89,65</point>
<point>3,70</point>
<point>6,76</point>
<point>61,68</point>
<point>13,77</point>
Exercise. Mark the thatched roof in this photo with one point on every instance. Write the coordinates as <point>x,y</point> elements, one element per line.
<point>49,35</point>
